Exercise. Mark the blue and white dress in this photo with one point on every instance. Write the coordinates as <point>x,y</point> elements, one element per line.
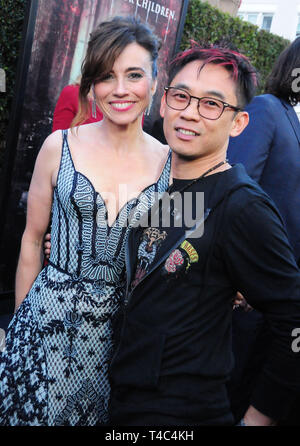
<point>59,344</point>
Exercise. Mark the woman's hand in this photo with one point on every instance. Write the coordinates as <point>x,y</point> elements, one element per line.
<point>240,301</point>
<point>47,245</point>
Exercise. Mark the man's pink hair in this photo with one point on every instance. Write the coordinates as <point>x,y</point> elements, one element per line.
<point>212,54</point>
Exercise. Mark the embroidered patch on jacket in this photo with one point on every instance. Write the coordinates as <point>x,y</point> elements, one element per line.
<point>180,260</point>
<point>150,243</point>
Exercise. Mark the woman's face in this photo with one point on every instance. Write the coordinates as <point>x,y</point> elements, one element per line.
<point>124,94</point>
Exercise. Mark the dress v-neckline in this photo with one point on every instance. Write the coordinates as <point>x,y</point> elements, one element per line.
<point>98,194</point>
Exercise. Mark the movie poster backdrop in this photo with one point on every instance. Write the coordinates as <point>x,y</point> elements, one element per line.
<point>55,43</point>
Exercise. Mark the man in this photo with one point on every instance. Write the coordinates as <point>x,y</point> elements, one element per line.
<point>172,355</point>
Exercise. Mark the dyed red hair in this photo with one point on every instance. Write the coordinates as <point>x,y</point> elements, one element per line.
<point>243,73</point>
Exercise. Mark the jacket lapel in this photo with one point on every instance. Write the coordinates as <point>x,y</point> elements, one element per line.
<point>134,241</point>
<point>293,118</point>
<point>131,247</point>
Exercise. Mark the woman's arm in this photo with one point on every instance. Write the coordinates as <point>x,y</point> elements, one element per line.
<point>38,215</point>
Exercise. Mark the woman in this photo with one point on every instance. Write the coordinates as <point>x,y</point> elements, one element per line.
<point>54,370</point>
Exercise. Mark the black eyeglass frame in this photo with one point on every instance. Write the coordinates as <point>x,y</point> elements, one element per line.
<point>225,104</point>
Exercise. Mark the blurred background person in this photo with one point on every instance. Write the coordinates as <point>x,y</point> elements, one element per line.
<point>269,148</point>
<point>67,108</point>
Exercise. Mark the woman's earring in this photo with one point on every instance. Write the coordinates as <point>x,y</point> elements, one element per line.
<point>94,106</point>
<point>148,110</point>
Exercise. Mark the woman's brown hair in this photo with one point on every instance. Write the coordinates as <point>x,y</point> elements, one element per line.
<point>106,44</point>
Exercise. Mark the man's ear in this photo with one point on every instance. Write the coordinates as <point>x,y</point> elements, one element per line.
<point>240,122</point>
<point>163,106</point>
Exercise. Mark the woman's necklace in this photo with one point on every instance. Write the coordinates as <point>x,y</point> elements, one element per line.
<point>197,179</point>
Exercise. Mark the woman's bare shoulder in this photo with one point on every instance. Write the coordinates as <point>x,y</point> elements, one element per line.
<point>50,151</point>
<point>158,147</point>
<point>53,142</point>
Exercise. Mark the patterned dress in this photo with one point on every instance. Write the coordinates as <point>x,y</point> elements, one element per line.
<point>58,345</point>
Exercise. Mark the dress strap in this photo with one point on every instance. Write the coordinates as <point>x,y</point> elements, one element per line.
<point>163,181</point>
<point>66,163</point>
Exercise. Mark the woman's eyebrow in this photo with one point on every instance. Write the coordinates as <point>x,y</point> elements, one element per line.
<point>135,69</point>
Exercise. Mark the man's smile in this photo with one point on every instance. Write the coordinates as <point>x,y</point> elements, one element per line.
<point>186,133</point>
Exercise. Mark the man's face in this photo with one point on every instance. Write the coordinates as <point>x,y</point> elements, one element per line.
<point>189,134</point>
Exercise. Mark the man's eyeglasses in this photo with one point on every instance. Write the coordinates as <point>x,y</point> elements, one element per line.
<point>209,108</point>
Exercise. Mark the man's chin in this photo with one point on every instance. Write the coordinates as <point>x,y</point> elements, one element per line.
<point>184,156</point>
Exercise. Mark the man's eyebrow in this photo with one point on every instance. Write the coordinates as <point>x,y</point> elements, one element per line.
<point>214,93</point>
<point>183,86</point>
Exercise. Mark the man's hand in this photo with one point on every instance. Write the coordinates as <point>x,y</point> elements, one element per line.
<point>255,418</point>
<point>47,245</point>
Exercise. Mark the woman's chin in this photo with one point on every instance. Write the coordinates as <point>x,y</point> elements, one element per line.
<point>124,120</point>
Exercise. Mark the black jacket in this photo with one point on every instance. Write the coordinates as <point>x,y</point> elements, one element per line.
<point>173,336</point>
<point>269,148</point>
